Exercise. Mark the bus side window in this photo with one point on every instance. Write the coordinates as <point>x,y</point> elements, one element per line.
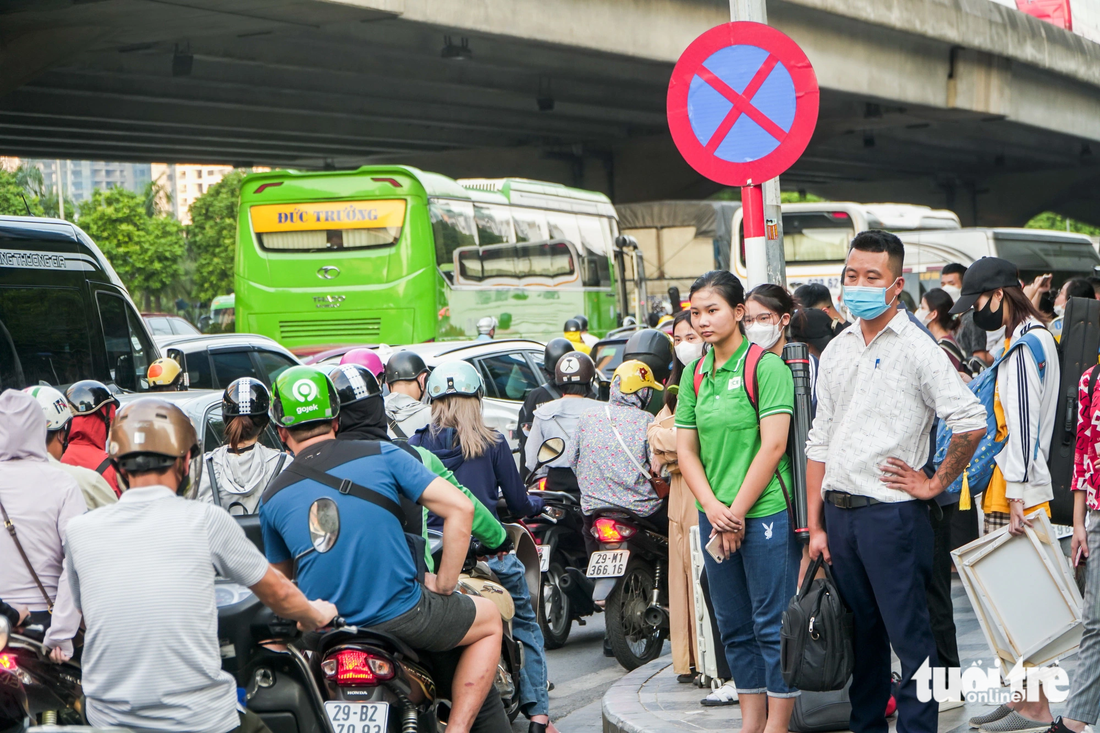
<point>530,225</point>
<point>453,226</point>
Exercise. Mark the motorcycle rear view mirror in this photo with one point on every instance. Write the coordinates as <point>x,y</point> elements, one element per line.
<point>324,524</point>
<point>550,451</point>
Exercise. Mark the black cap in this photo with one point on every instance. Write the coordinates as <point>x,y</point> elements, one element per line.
<point>812,326</point>
<point>988,273</point>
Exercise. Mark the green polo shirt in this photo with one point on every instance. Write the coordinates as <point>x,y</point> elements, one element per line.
<point>729,431</point>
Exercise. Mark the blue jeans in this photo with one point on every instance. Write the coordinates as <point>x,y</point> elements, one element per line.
<point>533,697</point>
<point>750,590</point>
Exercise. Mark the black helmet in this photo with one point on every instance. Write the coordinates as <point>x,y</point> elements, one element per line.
<point>353,382</point>
<point>404,366</point>
<point>576,367</point>
<point>653,348</point>
<point>247,397</point>
<point>88,395</point>
<point>555,350</point>
<point>572,326</point>
<point>583,320</point>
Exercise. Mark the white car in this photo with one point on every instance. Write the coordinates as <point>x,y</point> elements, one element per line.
<point>510,369</point>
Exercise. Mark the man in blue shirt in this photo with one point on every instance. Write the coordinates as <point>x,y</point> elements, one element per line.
<point>369,573</point>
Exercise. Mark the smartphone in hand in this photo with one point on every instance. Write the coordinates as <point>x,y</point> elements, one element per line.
<point>715,549</point>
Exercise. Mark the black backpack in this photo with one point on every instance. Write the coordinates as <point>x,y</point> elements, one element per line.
<point>815,644</point>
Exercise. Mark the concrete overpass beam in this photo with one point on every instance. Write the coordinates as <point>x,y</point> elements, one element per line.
<point>24,57</point>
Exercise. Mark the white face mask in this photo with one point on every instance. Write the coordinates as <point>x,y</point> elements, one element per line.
<point>688,351</point>
<point>924,315</point>
<point>951,290</point>
<point>763,335</point>
<point>1060,310</point>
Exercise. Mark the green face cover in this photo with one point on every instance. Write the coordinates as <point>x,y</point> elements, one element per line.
<point>303,394</point>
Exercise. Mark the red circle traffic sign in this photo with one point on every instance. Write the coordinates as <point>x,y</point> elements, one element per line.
<point>742,103</point>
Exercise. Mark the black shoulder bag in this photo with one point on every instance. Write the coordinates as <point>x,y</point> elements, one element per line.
<point>815,643</point>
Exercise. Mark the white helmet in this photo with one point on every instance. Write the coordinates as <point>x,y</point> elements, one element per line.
<point>54,404</point>
<point>486,325</point>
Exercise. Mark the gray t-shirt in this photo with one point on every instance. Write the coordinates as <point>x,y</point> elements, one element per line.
<point>970,338</point>
<point>557,419</point>
<point>142,571</point>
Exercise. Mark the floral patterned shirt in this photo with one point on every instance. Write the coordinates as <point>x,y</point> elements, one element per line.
<point>1086,470</point>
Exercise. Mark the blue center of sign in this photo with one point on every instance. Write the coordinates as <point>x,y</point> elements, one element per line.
<point>741,103</point>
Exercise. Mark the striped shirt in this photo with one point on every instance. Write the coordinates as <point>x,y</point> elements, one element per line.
<point>142,571</point>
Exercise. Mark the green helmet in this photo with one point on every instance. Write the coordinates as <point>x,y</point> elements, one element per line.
<point>303,395</point>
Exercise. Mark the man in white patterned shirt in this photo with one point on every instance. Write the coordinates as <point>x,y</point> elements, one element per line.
<point>880,385</point>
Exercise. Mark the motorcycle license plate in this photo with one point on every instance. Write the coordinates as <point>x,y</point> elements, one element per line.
<point>544,558</point>
<point>357,717</point>
<point>607,563</point>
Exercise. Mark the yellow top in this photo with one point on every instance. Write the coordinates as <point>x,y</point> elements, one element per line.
<point>994,499</point>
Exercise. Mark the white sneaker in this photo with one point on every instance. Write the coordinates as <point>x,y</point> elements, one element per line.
<point>950,705</point>
<point>724,695</point>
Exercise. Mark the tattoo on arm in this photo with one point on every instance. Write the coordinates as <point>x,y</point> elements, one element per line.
<point>959,452</point>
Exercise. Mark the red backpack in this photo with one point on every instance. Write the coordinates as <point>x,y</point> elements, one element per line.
<point>752,359</point>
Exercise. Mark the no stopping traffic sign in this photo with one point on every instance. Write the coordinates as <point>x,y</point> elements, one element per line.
<point>742,103</point>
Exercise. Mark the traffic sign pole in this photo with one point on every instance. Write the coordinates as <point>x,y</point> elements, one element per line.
<point>752,218</point>
<point>771,267</point>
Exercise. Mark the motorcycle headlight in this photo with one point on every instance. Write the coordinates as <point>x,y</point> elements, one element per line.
<point>5,631</point>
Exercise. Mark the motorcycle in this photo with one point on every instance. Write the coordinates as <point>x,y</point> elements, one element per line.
<point>630,571</point>
<point>563,557</point>
<point>34,689</point>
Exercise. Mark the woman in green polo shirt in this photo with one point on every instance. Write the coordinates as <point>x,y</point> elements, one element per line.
<point>732,455</point>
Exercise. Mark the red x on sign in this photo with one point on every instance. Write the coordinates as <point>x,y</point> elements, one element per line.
<point>742,103</point>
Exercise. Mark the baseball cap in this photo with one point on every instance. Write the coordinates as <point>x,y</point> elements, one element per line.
<point>988,273</point>
<point>813,326</point>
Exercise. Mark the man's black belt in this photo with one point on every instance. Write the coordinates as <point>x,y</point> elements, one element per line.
<point>842,500</point>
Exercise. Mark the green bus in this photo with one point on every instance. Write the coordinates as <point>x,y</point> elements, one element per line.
<point>392,254</point>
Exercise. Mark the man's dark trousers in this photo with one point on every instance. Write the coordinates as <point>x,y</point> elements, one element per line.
<point>882,560</point>
<point>940,608</point>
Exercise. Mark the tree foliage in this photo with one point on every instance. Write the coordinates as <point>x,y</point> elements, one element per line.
<point>15,200</point>
<point>212,237</point>
<point>146,252</point>
<point>1050,220</point>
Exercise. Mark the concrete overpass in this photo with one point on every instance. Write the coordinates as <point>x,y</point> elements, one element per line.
<point>958,103</point>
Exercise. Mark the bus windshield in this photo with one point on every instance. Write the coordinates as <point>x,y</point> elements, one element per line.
<point>526,263</point>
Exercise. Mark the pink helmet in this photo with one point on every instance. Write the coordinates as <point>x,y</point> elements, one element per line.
<point>365,358</point>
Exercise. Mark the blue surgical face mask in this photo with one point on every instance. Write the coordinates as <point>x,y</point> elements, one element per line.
<point>866,303</point>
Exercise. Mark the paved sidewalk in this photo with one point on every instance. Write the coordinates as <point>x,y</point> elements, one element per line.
<point>649,700</point>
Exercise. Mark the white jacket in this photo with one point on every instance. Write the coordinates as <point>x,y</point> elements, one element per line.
<point>1029,405</point>
<point>241,477</point>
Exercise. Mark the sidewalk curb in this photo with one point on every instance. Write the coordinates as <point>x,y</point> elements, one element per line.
<point>623,711</point>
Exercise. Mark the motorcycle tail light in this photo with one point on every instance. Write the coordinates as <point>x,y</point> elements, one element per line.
<point>8,661</point>
<point>606,529</point>
<point>356,668</point>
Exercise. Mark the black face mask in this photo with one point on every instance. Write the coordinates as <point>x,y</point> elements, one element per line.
<point>990,320</point>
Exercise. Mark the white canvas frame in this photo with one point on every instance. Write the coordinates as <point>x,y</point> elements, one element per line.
<point>1023,594</point>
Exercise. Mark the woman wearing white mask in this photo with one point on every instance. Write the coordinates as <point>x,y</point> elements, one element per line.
<point>682,514</point>
<point>935,314</point>
<point>768,311</point>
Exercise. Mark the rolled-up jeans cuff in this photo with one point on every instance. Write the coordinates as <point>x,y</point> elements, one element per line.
<point>784,695</point>
<point>753,691</point>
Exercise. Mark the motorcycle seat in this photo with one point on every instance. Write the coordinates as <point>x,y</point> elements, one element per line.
<point>365,633</point>
<point>618,512</point>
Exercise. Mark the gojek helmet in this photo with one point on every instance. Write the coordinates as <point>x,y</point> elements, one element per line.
<point>455,378</point>
<point>54,405</point>
<point>353,383</point>
<point>303,395</point>
<point>635,375</point>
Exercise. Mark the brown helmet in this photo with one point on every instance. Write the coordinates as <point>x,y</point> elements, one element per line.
<point>149,434</point>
